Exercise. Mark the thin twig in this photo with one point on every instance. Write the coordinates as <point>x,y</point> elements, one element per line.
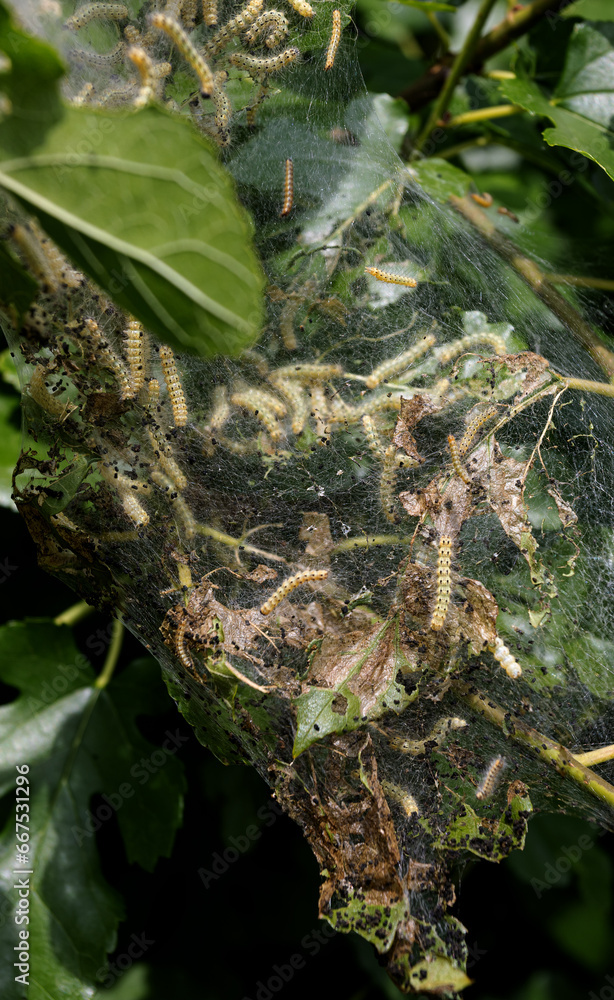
<point>117,638</point>
<point>75,613</point>
<point>483,114</point>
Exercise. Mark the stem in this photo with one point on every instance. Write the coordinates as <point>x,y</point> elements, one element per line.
<point>235,543</point>
<point>110,663</point>
<point>530,272</point>
<point>553,753</point>
<point>483,114</point>
<point>601,388</point>
<point>441,32</point>
<point>592,757</point>
<point>75,613</point>
<point>460,147</point>
<point>365,542</point>
<point>456,72</point>
<point>573,279</point>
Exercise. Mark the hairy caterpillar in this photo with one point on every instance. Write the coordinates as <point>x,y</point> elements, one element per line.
<point>134,510</point>
<point>223,114</point>
<point>100,59</point>
<point>173,384</point>
<point>309,373</point>
<point>295,394</point>
<point>250,114</point>
<point>210,13</point>
<point>456,462</point>
<point>485,200</point>
<point>264,64</point>
<point>265,407</point>
<point>273,23</point>
<point>166,462</point>
<point>335,37</point>
<point>373,440</point>
<point>134,348</point>
<point>400,363</point>
<point>180,649</point>
<point>444,589</point>
<point>391,279</point>
<point>189,12</point>
<point>288,188</point>
<point>404,799</point>
<point>153,393</point>
<point>291,584</point>
<point>387,482</point>
<point>92,11</point>
<point>302,7</point>
<point>108,358</point>
<point>435,738</point>
<point>189,53</point>
<point>473,428</point>
<point>234,27</point>
<point>41,394</point>
<point>180,507</point>
<point>502,654</point>
<point>145,67</point>
<point>447,352</point>
<point>490,779</point>
<point>31,246</point>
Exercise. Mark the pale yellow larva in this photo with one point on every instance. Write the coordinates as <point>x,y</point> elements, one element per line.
<point>503,656</point>
<point>174,386</point>
<point>294,393</point>
<point>289,585</point>
<point>180,508</point>
<point>387,482</point>
<point>234,27</point>
<point>435,738</point>
<point>135,344</point>
<point>124,484</point>
<point>390,278</point>
<point>288,188</point>
<point>371,434</point>
<point>456,462</point>
<point>402,361</point>
<point>103,60</point>
<point>40,393</point>
<point>447,352</point>
<point>444,588</point>
<point>272,24</point>
<point>180,647</point>
<point>166,462</point>
<point>210,13</point>
<point>153,393</point>
<point>137,513</point>
<point>265,64</point>
<point>302,7</point>
<point>108,359</point>
<point>404,799</point>
<point>93,11</point>
<point>309,372</point>
<point>286,323</point>
<point>264,406</point>
<point>333,44</point>
<point>223,114</point>
<point>36,260</point>
<point>187,49</point>
<point>144,65</point>
<point>473,427</point>
<point>490,779</point>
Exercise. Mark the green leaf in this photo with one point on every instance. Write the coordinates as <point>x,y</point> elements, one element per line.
<point>10,446</point>
<point>586,84</point>
<point>187,270</point>
<point>428,5</point>
<point>590,10</point>
<point>17,287</point>
<point>573,130</point>
<point>440,179</point>
<point>78,740</point>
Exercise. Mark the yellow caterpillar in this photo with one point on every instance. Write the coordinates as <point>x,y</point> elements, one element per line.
<point>503,656</point>
<point>402,361</point>
<point>456,462</point>
<point>273,24</point>
<point>391,279</point>
<point>447,352</point>
<point>264,64</point>
<point>234,27</point>
<point>289,585</point>
<point>173,384</point>
<point>333,45</point>
<point>189,53</point>
<point>92,11</point>
<point>444,589</point>
<point>490,779</point>
<point>302,7</point>
<point>473,427</point>
<point>288,188</point>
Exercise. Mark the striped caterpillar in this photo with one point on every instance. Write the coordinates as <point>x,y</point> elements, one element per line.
<point>264,406</point>
<point>309,373</point>
<point>134,349</point>
<point>456,462</point>
<point>173,384</point>
<point>180,649</point>
<point>406,801</point>
<point>395,365</point>
<point>144,65</point>
<point>444,588</point>
<point>107,357</point>
<point>387,482</point>
<point>223,112</point>
<point>234,27</point>
<point>137,514</point>
<point>289,585</point>
<point>210,13</point>
<point>165,461</point>
<point>92,11</point>
<point>294,393</point>
<point>447,352</point>
<point>101,59</point>
<point>490,779</point>
<point>478,421</point>
<point>302,7</point>
<point>335,37</point>
<point>485,200</point>
<point>153,393</point>
<point>288,188</point>
<point>503,656</point>
<point>264,64</point>
<point>272,23</point>
<point>435,738</point>
<point>373,440</point>
<point>189,53</point>
<point>391,279</point>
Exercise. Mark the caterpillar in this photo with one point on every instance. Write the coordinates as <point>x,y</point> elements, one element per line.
<point>134,510</point>
<point>447,352</point>
<point>309,373</point>
<point>387,482</point>
<point>302,7</point>
<point>435,738</point>
<point>100,59</point>
<point>31,247</point>
<point>189,12</point>
<point>391,279</point>
<point>153,393</point>
<point>180,649</point>
<point>265,64</point>
<point>173,384</point>
<point>406,801</point>
<point>40,393</point>
<point>92,11</point>
<point>402,361</point>
<point>335,37</point>
<point>210,13</point>
<point>251,110</point>
<point>233,27</point>
<point>485,200</point>
<point>288,188</point>
<point>295,394</point>
<point>108,358</point>
<point>444,589</point>
<point>83,95</point>
<point>502,654</point>
<point>286,323</point>
<point>123,483</point>
<point>180,507</point>
<point>134,348</point>
<point>490,779</point>
<point>189,53</point>
<point>473,428</point>
<point>132,34</point>
<point>291,584</point>
<point>373,440</point>
<point>223,114</point>
<point>456,462</point>
<point>273,23</point>
<point>166,462</point>
<point>145,67</point>
<point>265,407</point>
